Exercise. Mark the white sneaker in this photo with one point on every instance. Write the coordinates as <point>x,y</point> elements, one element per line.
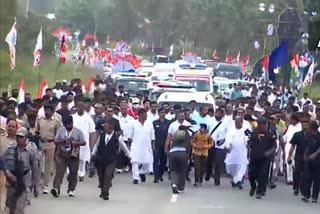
<point>118,170</point>
<point>45,190</point>
<point>70,193</point>
<point>127,169</point>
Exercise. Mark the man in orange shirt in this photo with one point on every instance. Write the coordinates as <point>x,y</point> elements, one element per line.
<point>201,143</point>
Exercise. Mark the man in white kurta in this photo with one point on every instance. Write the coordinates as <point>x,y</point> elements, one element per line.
<point>236,160</point>
<point>141,147</point>
<point>84,122</point>
<point>295,126</point>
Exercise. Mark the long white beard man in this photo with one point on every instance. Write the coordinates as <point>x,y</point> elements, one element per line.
<point>236,160</point>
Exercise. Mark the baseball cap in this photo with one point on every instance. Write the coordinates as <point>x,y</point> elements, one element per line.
<point>22,132</point>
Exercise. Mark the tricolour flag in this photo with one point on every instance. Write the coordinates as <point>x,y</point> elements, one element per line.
<point>11,39</point>
<point>63,50</point>
<point>22,93</point>
<point>37,50</point>
<point>215,55</point>
<point>90,85</point>
<point>42,89</point>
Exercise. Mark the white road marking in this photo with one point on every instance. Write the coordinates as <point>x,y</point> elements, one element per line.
<point>174,198</point>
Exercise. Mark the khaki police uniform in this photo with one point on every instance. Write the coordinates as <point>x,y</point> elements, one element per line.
<point>17,204</point>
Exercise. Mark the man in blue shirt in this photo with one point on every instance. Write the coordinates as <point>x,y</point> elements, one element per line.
<point>236,93</point>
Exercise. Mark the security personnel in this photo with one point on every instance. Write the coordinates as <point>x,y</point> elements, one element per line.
<point>22,172</point>
<point>262,146</point>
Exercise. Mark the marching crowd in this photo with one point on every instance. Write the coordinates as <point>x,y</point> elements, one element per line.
<point>253,133</point>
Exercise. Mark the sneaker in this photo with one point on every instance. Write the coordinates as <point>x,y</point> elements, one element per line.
<point>233,184</point>
<point>314,200</point>
<point>272,185</point>
<point>305,199</point>
<point>118,171</point>
<point>45,190</point>
<point>135,181</point>
<point>55,192</point>
<point>91,174</point>
<point>239,185</point>
<point>180,190</point>
<point>175,189</point>
<point>81,179</point>
<point>70,193</point>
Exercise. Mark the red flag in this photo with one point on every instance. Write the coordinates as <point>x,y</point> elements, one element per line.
<point>229,58</point>
<point>265,62</point>
<point>215,55</point>
<point>42,90</point>
<point>90,85</point>
<point>63,50</point>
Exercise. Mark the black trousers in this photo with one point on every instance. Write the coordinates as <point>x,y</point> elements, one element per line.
<point>105,173</point>
<point>311,179</point>
<point>215,161</point>
<point>178,168</point>
<point>159,163</point>
<point>258,175</point>
<point>298,173</point>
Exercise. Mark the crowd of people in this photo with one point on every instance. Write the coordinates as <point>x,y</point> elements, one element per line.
<point>254,132</point>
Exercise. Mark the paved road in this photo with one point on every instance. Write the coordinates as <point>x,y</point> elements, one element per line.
<point>156,199</point>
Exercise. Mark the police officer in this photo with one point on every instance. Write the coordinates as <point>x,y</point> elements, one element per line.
<point>262,145</point>
<point>22,172</point>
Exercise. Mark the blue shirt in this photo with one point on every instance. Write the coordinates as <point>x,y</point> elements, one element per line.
<point>236,95</point>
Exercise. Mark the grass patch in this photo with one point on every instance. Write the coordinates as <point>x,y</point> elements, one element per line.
<point>49,69</point>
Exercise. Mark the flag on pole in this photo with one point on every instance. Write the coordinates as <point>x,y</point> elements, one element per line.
<point>11,39</point>
<point>238,58</point>
<point>171,50</point>
<point>22,93</point>
<point>63,50</point>
<point>229,58</point>
<point>279,57</point>
<point>309,77</point>
<point>215,55</point>
<point>37,50</point>
<point>108,39</point>
<point>43,88</point>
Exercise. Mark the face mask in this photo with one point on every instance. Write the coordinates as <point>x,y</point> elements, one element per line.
<point>136,106</point>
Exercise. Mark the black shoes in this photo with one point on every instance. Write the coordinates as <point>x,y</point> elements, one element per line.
<point>296,192</point>
<point>239,185</point>
<point>196,184</point>
<point>252,192</point>
<point>143,178</point>
<point>304,199</point>
<point>135,181</point>
<point>55,192</point>
<point>175,189</point>
<point>91,174</point>
<point>81,179</point>
<point>217,182</point>
<point>314,200</point>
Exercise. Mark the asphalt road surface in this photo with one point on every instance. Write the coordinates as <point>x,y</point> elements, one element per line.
<point>150,198</point>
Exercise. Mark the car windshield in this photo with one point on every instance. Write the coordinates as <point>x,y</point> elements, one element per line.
<point>229,72</point>
<point>185,104</point>
<point>133,85</point>
<point>199,85</point>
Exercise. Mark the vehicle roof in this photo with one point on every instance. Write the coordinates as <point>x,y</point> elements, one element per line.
<point>227,65</point>
<point>185,97</point>
<point>132,79</point>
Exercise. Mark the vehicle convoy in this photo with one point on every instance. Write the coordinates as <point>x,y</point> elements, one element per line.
<point>169,86</point>
<point>197,75</point>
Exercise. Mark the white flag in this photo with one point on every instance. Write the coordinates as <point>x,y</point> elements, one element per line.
<point>37,50</point>
<point>11,39</point>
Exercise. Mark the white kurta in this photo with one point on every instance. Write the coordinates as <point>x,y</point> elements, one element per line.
<point>236,141</point>
<point>141,147</point>
<point>86,125</point>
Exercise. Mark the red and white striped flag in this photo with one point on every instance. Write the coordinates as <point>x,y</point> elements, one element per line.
<point>63,50</point>
<point>11,39</point>
<point>37,50</point>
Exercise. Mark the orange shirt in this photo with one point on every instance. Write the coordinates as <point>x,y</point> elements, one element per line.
<point>201,143</point>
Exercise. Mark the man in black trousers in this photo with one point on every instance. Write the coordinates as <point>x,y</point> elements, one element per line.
<point>106,154</point>
<point>312,162</point>
<point>262,145</point>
